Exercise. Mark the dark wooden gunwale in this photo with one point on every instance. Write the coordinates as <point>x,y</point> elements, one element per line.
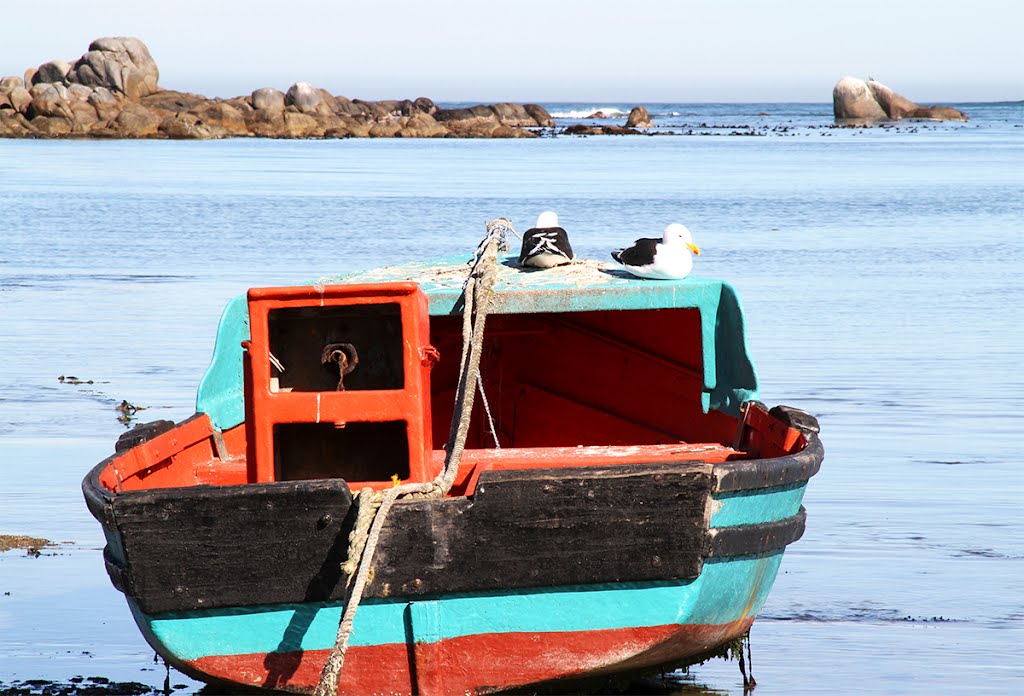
<point>751,474</point>
<point>513,540</point>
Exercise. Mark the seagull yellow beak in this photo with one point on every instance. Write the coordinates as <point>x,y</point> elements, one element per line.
<point>694,249</point>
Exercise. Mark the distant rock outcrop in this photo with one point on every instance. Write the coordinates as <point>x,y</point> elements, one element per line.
<point>856,100</point>
<point>540,115</point>
<point>120,63</point>
<point>306,98</point>
<point>268,98</point>
<point>498,121</point>
<point>112,92</point>
<point>639,118</point>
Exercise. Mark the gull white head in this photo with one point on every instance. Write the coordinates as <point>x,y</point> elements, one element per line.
<point>678,234</point>
<point>547,219</point>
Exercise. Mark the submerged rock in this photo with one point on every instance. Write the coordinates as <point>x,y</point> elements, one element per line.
<point>583,129</point>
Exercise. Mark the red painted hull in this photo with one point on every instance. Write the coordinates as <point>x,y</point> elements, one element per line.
<point>478,663</point>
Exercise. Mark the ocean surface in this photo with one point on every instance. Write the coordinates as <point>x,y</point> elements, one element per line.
<point>880,269</point>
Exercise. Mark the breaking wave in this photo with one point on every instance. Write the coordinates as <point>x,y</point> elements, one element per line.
<point>608,111</point>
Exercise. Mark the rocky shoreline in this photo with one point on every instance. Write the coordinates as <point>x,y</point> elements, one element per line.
<point>21,541</point>
<point>112,91</point>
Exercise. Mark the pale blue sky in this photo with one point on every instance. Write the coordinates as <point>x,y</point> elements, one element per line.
<point>529,50</point>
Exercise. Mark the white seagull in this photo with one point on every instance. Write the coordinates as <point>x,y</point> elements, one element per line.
<point>668,258</point>
<point>547,244</point>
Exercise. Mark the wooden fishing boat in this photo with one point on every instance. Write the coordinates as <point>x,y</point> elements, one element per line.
<point>634,516</point>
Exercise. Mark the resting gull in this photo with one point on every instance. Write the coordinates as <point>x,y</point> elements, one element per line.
<point>668,258</point>
<point>547,244</point>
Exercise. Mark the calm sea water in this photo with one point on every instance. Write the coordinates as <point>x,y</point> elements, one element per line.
<point>880,270</point>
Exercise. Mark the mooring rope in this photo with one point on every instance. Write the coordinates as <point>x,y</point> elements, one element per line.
<point>373,506</point>
<point>487,410</point>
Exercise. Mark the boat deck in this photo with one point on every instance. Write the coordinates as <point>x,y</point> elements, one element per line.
<point>476,461</point>
<point>194,454</point>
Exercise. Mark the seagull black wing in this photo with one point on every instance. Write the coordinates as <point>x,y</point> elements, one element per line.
<point>640,254</point>
<point>545,240</point>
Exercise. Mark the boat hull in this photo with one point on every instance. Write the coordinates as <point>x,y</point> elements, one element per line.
<point>477,642</point>
<point>539,575</point>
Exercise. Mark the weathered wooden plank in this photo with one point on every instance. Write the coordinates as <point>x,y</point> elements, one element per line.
<point>208,546</point>
<point>284,542</point>
<point>768,472</point>
<point>551,527</point>
<point>746,539</point>
<point>747,474</point>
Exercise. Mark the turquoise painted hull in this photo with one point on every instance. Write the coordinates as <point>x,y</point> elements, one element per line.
<point>646,624</point>
<point>729,590</point>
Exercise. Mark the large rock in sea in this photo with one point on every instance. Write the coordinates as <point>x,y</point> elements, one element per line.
<point>14,124</point>
<point>478,121</point>
<point>106,104</point>
<point>540,115</point>
<point>265,123</point>
<point>425,105</point>
<point>136,121</point>
<point>304,97</point>
<point>20,98</point>
<point>503,120</point>
<point>119,63</point>
<point>856,100</point>
<point>166,102</point>
<point>639,118</point>
<point>7,84</point>
<point>53,71</point>
<point>300,125</point>
<point>49,101</point>
<point>853,100</point>
<point>224,117</point>
<point>514,115</point>
<point>268,98</point>
<point>420,125</point>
